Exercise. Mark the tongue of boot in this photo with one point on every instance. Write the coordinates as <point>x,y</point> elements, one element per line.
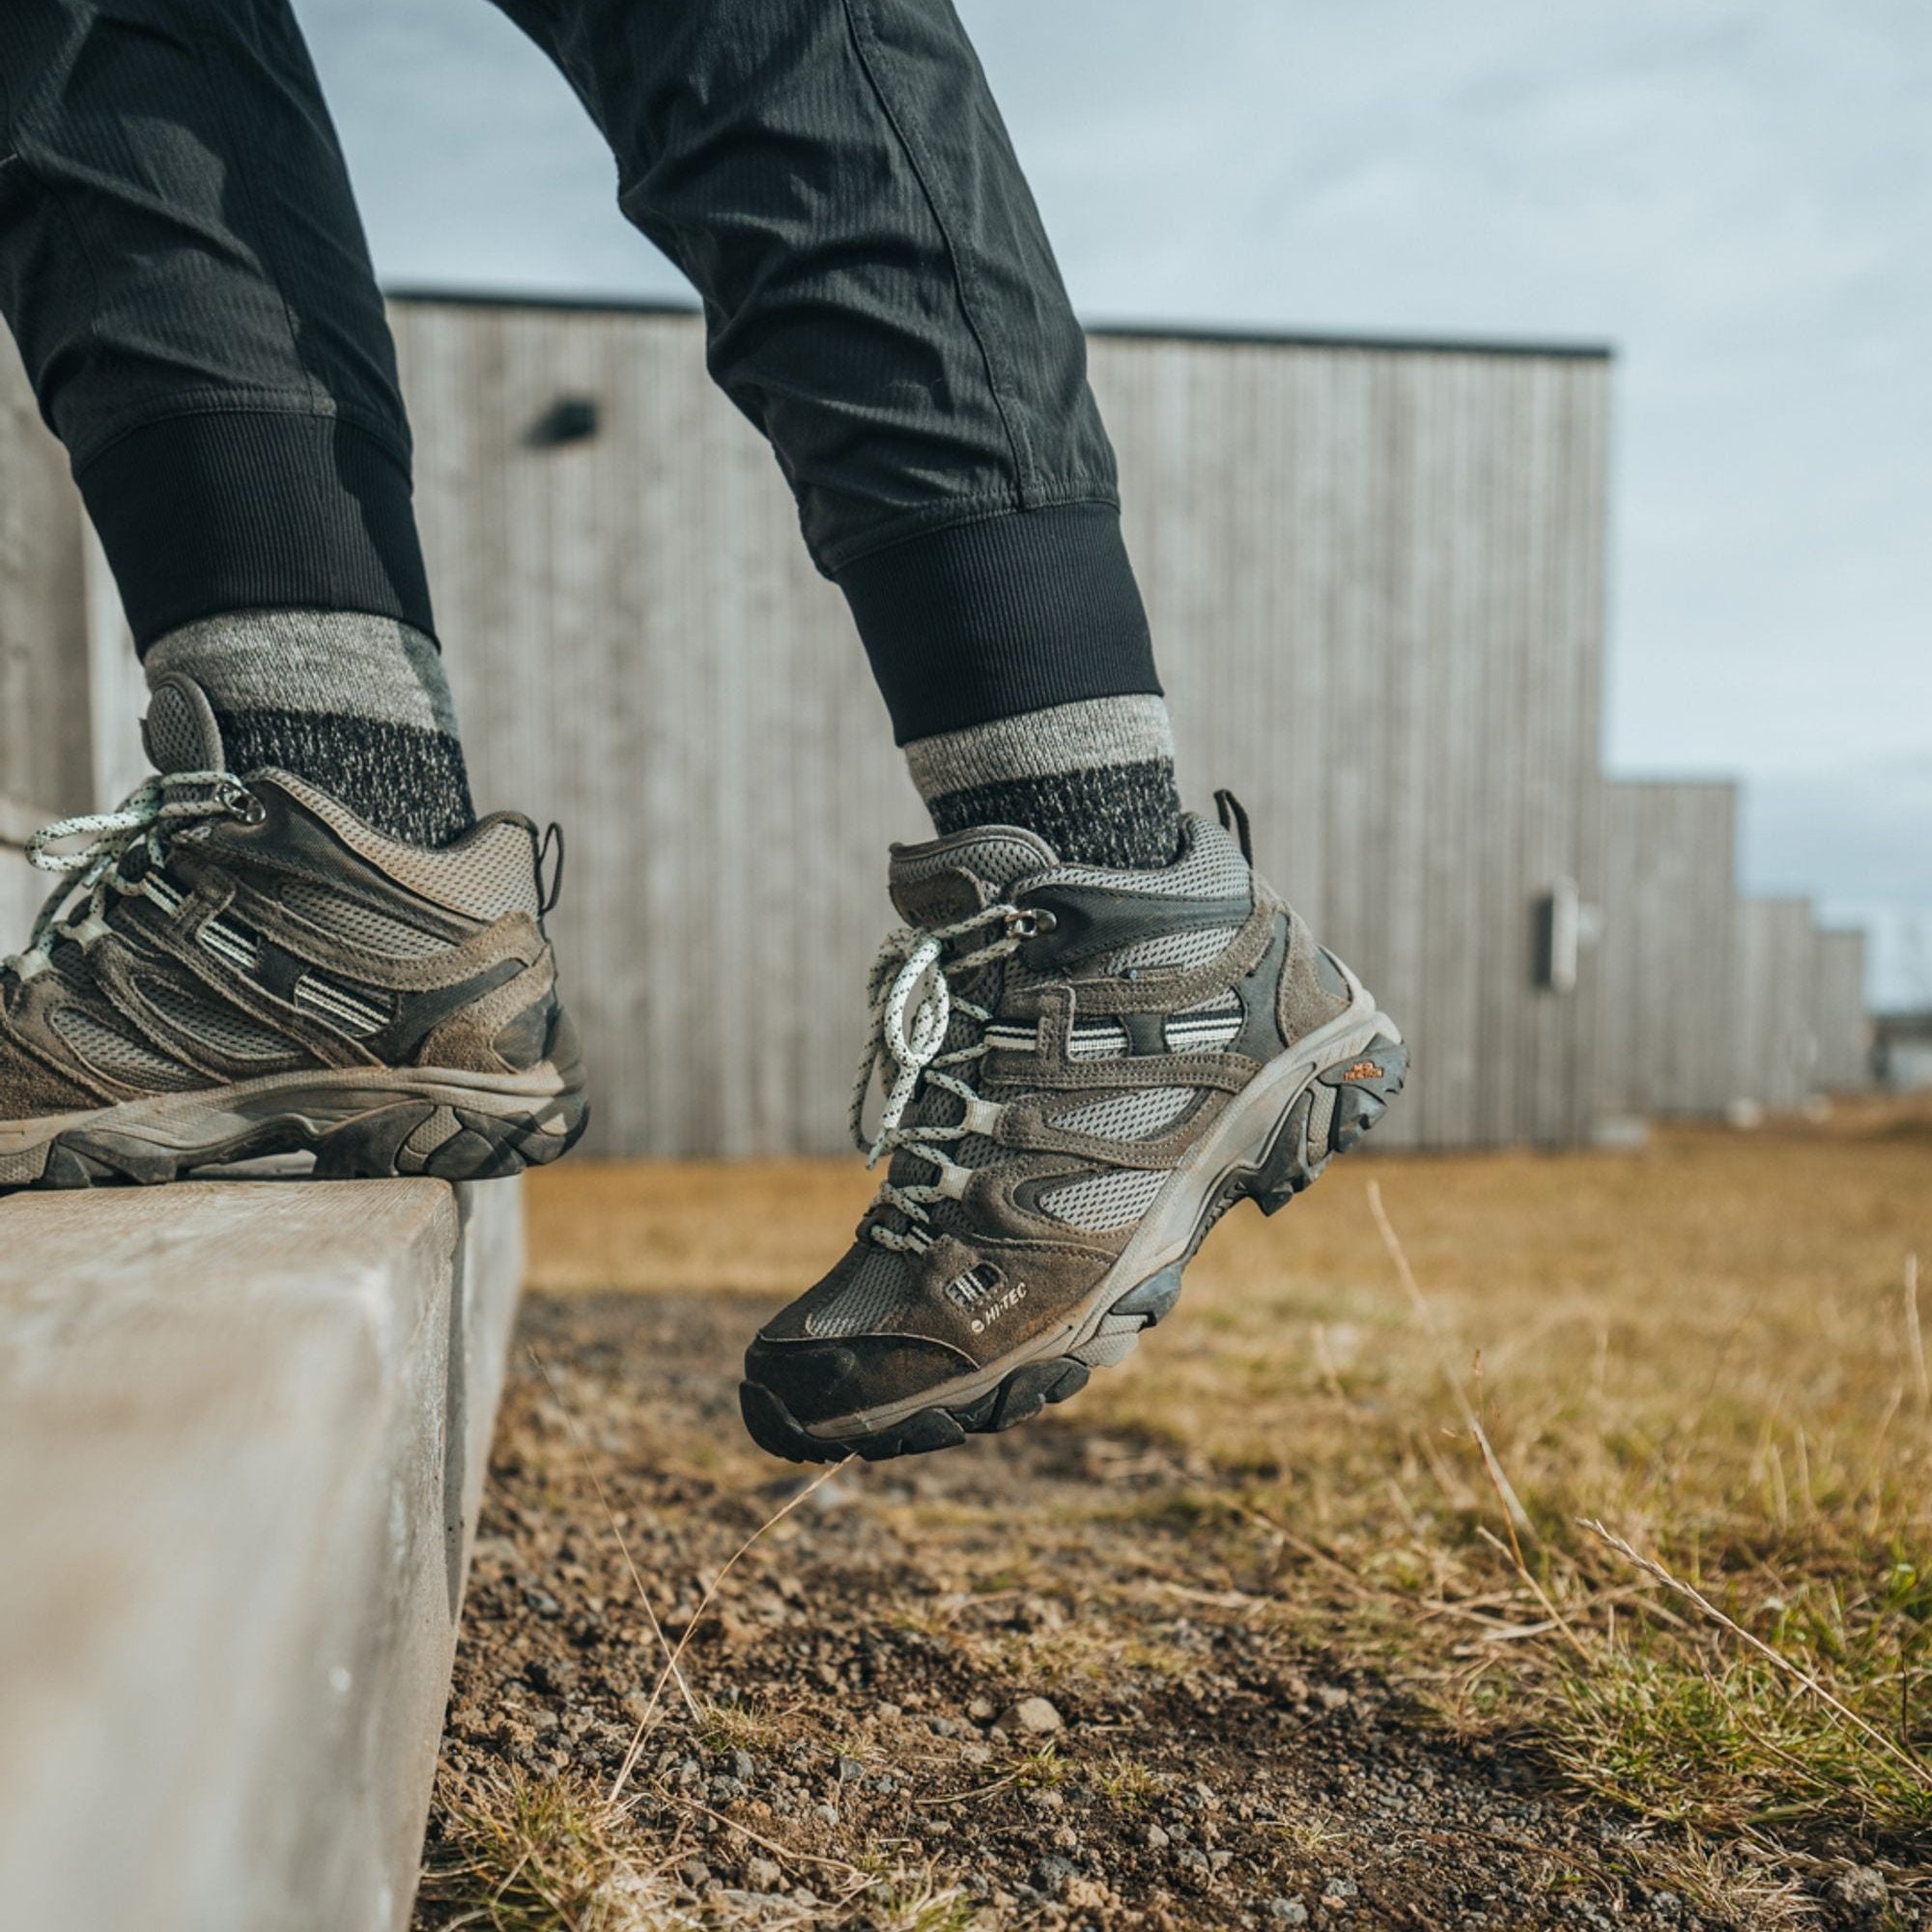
<point>948,878</point>
<point>180,731</point>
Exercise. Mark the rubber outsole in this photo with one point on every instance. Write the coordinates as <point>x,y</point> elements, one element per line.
<point>1359,1090</point>
<point>436,1136</point>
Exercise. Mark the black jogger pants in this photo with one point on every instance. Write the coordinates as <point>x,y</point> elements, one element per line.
<point>183,269</point>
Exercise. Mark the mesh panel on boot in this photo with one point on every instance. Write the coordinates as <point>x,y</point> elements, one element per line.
<point>118,1055</point>
<point>1171,949</point>
<point>337,915</point>
<point>1105,1201</point>
<point>229,1033</point>
<point>877,1286</point>
<point>486,874</point>
<point>1212,868</point>
<point>1130,1116</point>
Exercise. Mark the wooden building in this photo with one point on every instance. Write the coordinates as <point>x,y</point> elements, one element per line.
<point>1375,580</point>
<point>1776,1019</point>
<point>1667,960</point>
<point>1842,1025</point>
<point>1375,576</point>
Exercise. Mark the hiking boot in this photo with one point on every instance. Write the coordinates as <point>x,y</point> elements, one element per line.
<point>1085,1069</point>
<point>240,966</point>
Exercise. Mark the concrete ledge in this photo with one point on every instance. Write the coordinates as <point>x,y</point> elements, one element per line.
<point>243,1435</point>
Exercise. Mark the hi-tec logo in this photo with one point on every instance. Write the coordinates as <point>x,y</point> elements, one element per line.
<point>1012,1298</point>
<point>1363,1069</point>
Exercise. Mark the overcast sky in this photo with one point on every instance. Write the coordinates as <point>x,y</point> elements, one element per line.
<point>1735,193</point>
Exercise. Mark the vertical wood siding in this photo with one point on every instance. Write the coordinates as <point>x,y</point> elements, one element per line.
<point>1667,954</point>
<point>22,888</point>
<point>1776,1031</point>
<point>44,749</point>
<point>1843,1024</point>
<point>1375,579</point>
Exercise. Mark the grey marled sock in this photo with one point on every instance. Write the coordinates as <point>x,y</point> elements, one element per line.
<point>356,704</point>
<point>1093,778</point>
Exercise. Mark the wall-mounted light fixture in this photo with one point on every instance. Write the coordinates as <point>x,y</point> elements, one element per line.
<point>568,419</point>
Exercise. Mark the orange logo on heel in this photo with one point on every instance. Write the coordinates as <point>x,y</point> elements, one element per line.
<point>1363,1069</point>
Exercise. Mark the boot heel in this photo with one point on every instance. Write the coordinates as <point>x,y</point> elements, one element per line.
<point>1329,1118</point>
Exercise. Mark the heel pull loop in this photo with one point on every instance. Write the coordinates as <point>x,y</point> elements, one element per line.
<point>1235,818</point>
<point>550,857</point>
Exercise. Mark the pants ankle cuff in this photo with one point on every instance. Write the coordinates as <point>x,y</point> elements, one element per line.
<point>1012,613</point>
<point>241,510</point>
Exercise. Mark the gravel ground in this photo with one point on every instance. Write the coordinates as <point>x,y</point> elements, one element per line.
<point>982,1688</point>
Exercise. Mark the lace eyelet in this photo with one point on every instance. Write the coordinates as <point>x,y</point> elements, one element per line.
<point>1030,923</point>
<point>248,808</point>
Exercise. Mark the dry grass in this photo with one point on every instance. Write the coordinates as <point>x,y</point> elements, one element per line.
<point>552,1854</point>
<point>1711,1346</point>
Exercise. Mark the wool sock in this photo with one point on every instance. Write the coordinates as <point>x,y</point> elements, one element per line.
<point>355,703</point>
<point>1095,778</point>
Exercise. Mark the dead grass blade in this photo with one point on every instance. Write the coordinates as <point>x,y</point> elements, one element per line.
<point>652,1704</point>
<point>1913,1339</point>
<point>1541,1596</point>
<point>1513,1509</point>
<point>1691,1594</point>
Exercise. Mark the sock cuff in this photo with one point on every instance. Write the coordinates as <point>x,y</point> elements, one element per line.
<point>356,704</point>
<point>1086,735</point>
<point>320,663</point>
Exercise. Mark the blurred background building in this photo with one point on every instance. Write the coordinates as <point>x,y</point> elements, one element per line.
<point>1377,572</point>
<point>1482,651</point>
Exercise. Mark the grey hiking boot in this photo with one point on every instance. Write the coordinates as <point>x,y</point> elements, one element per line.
<point>239,966</point>
<point>1085,1069</point>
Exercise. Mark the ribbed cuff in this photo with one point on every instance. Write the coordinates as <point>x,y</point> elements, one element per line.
<point>985,620</point>
<point>256,510</point>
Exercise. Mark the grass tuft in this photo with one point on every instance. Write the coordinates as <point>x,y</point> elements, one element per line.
<point>520,1854</point>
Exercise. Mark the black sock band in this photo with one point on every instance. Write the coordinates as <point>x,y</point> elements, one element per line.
<point>408,783</point>
<point>1094,780</point>
<point>1123,816</point>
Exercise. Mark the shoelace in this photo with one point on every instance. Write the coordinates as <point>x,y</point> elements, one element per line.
<point>904,1046</point>
<point>145,820</point>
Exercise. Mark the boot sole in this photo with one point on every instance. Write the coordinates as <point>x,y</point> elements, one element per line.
<point>1311,1112</point>
<point>360,1123</point>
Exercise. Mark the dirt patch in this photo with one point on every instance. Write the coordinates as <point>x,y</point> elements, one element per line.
<point>1202,1766</point>
<point>1305,1663</point>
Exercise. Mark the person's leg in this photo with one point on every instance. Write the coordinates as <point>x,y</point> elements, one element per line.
<point>1099,1027</point>
<point>255,954</point>
<point>882,302</point>
<point>183,271</point>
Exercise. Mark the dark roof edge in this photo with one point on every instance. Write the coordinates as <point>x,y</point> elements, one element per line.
<point>1403,345</point>
<point>1574,351</point>
<point>513,299</point>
